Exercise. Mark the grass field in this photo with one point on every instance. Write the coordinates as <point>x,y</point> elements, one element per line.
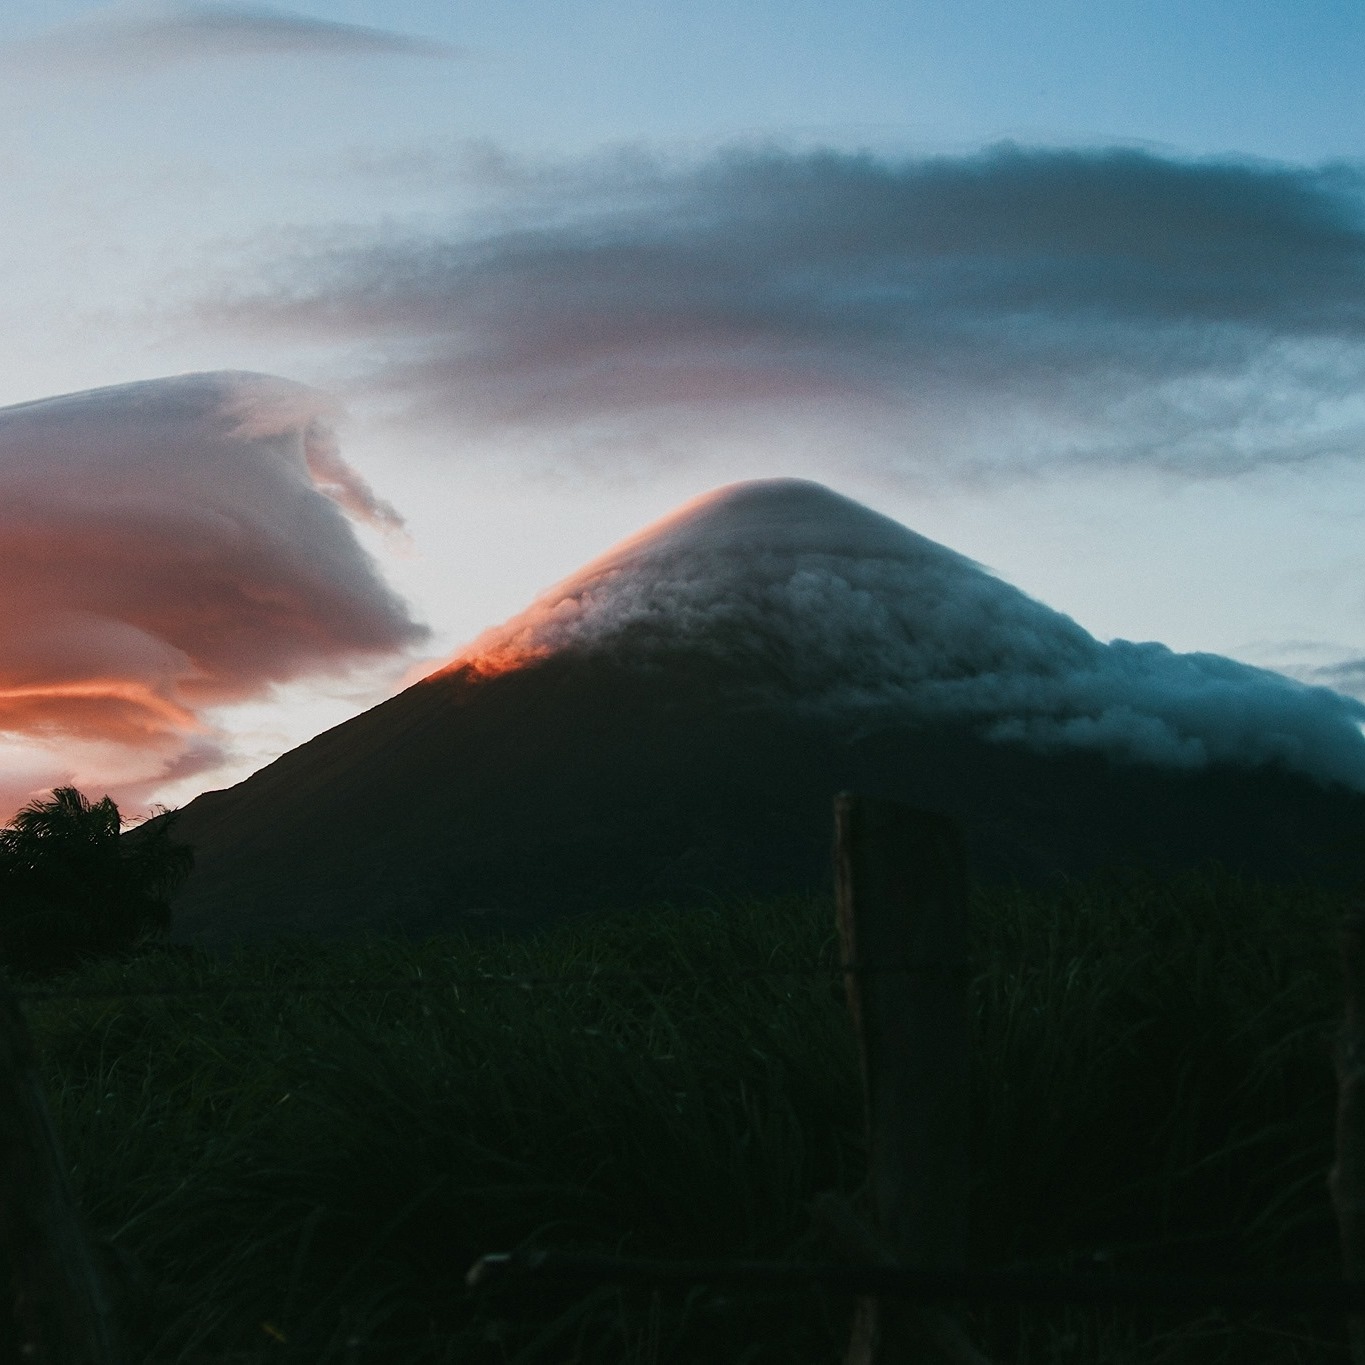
<point>289,1174</point>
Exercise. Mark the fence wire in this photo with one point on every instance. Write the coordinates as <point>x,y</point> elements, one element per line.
<point>1287,945</point>
<point>935,1286</point>
<point>522,981</point>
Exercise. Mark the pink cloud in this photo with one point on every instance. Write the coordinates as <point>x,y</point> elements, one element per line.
<point>167,547</point>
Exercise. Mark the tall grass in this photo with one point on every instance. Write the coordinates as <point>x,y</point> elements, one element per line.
<point>307,1175</point>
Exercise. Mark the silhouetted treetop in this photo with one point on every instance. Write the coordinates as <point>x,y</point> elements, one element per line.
<point>72,886</point>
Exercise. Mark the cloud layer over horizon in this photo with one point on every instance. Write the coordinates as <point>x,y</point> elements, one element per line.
<point>814,601</point>
<point>168,547</point>
<point>1007,309</point>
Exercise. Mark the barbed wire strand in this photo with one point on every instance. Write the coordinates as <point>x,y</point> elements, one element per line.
<point>1021,1287</point>
<point>936,1286</point>
<point>525,981</point>
<point>522,980</point>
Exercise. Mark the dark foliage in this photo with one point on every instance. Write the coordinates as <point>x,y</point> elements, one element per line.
<point>305,1170</point>
<point>72,887</point>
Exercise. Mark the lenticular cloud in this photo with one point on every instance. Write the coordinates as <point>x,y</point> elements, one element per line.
<point>166,547</point>
<point>820,601</point>
<point>1013,309</point>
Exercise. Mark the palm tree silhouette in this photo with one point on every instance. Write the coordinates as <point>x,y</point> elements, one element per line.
<point>73,887</point>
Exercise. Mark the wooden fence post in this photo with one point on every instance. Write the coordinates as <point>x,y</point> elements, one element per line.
<point>1347,1180</point>
<point>55,1310</point>
<point>902,906</point>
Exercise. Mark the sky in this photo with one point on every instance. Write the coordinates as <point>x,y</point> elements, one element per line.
<point>1077,290</point>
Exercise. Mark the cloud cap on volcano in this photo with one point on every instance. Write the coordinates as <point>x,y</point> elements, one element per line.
<point>811,599</point>
<point>169,546</point>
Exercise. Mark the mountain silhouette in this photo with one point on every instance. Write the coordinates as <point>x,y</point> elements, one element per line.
<point>673,721</point>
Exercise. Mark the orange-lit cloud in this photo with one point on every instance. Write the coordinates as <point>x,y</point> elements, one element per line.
<point>168,547</point>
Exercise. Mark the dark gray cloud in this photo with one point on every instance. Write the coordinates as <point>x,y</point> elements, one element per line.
<point>171,546</point>
<point>1347,675</point>
<point>1320,663</point>
<point>163,34</point>
<point>1011,306</point>
<point>829,605</point>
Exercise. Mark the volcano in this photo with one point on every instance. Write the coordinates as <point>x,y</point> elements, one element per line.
<point>672,722</point>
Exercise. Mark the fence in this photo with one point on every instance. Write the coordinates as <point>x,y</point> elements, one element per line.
<point>902,920</point>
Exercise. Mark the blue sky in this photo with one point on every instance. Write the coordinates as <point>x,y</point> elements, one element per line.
<point>1253,78</point>
<point>427,210</point>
